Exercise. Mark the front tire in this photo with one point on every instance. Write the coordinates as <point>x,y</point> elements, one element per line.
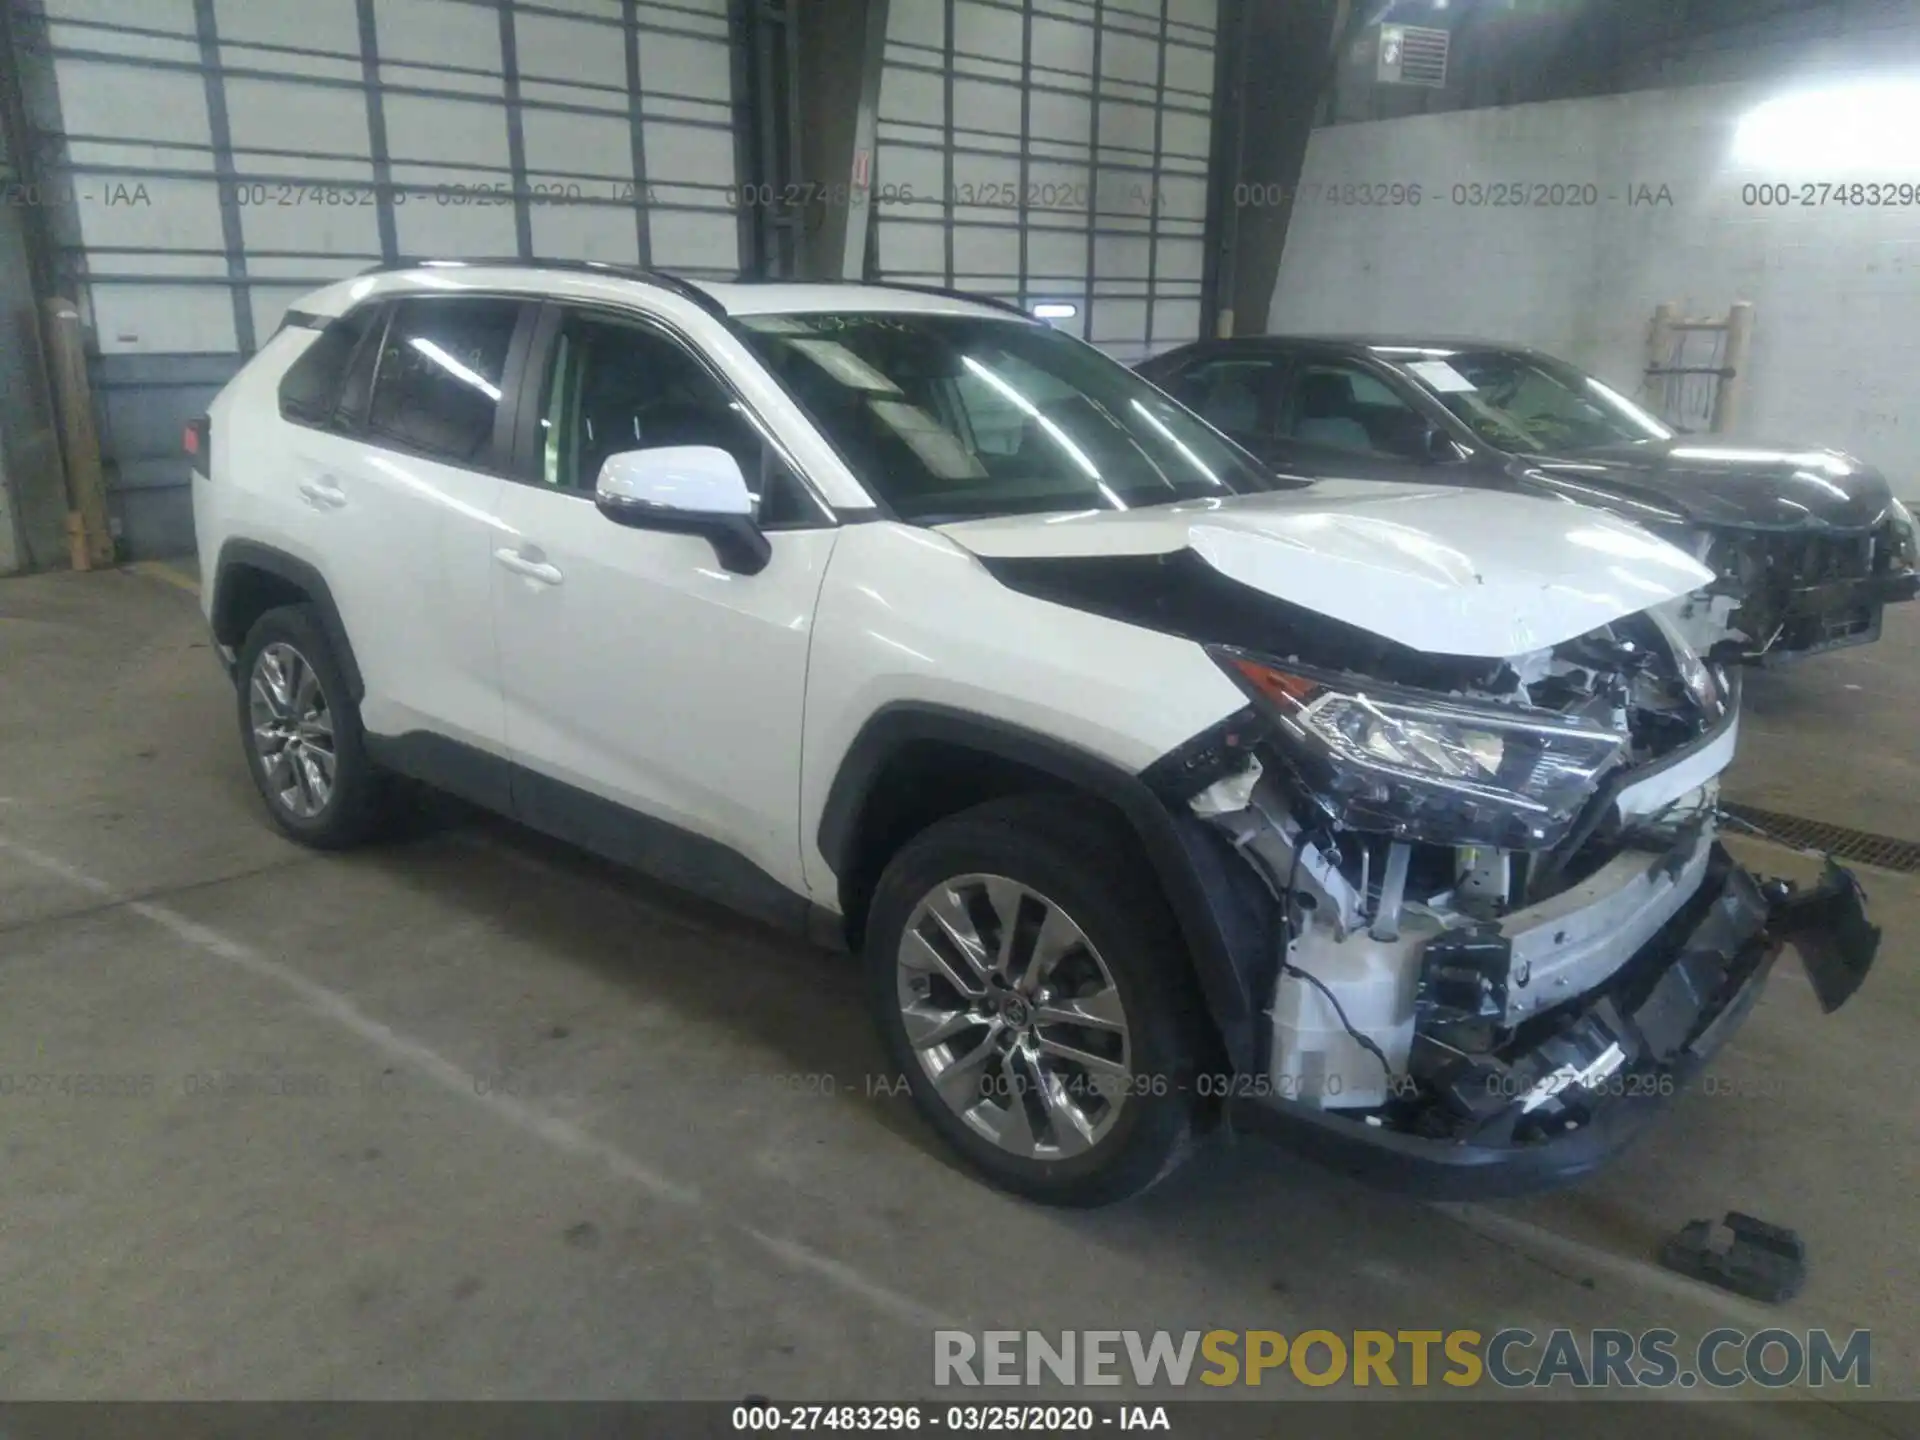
<point>301,732</point>
<point>1031,985</point>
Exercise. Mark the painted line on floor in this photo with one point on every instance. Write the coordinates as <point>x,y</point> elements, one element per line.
<point>560,1134</point>
<point>1524,1236</point>
<point>167,575</point>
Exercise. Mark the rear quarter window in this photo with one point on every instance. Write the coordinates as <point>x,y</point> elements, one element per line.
<point>310,390</point>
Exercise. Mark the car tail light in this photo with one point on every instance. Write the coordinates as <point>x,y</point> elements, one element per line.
<point>197,442</point>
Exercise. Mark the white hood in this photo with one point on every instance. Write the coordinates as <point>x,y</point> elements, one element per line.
<point>1447,571</point>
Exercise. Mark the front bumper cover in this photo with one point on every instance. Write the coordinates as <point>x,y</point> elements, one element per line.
<point>1815,619</point>
<point>1593,1078</point>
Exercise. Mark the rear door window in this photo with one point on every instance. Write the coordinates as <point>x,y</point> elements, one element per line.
<point>437,386</point>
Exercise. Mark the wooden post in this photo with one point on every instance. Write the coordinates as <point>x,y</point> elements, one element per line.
<point>89,538</point>
<point>1653,388</point>
<point>1727,397</point>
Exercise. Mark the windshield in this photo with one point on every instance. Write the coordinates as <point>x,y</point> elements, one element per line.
<point>1528,402</point>
<point>947,417</point>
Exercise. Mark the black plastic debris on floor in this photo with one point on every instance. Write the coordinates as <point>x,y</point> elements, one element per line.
<point>1741,1254</point>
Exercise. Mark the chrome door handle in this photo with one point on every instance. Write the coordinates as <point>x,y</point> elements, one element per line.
<point>321,495</point>
<point>533,569</point>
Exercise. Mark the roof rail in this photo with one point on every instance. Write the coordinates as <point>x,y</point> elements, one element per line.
<point>951,294</point>
<point>673,284</point>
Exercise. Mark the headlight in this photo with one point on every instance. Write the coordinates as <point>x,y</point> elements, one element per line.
<point>1906,538</point>
<point>1429,770</point>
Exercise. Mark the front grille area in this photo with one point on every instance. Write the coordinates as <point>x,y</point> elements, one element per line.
<point>1818,559</point>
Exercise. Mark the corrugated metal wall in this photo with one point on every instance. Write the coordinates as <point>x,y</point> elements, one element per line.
<point>1056,151</point>
<point>218,157</point>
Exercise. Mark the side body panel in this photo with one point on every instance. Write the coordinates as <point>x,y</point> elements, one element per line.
<point>906,615</point>
<point>642,672</point>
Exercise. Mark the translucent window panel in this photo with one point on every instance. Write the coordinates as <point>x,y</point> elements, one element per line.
<point>921,24</point>
<point>302,24</point>
<point>555,49</point>
<point>314,219</point>
<point>913,246</point>
<point>986,250</point>
<point>1179,259</point>
<point>912,94</point>
<point>1129,57</point>
<point>1182,197</point>
<point>587,232</point>
<point>174,15</point>
<point>465,132</point>
<point>439,32</point>
<point>1066,119</point>
<point>985,105</point>
<point>903,171</point>
<point>1063,45</point>
<point>682,65</point>
<point>1056,254</point>
<point>689,154</point>
<point>286,115</point>
<point>1190,69</point>
<point>685,240</point>
<point>176,214</point>
<point>105,99</point>
<point>425,227</point>
<point>569,143</point>
<point>990,30</point>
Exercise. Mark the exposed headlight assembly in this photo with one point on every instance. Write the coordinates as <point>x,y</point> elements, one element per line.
<point>1426,769</point>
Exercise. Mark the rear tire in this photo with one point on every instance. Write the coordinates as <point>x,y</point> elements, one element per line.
<point>301,732</point>
<point>1032,987</point>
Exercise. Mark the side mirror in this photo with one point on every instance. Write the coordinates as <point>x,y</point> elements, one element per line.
<point>689,490</point>
<point>1438,446</point>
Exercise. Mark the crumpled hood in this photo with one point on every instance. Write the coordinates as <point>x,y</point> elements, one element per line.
<point>1711,483</point>
<point>1446,571</point>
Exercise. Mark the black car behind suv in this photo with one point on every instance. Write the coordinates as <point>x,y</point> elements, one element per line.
<point>1810,545</point>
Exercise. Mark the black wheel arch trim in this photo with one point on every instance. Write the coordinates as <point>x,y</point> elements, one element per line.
<point>1217,907</point>
<point>249,554</point>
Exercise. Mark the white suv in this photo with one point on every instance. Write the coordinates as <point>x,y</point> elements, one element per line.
<point>1155,789</point>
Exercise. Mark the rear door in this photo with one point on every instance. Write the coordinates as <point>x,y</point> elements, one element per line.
<point>403,490</point>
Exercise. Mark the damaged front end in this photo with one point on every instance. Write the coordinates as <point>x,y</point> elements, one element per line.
<point>1784,595</point>
<point>1503,929</point>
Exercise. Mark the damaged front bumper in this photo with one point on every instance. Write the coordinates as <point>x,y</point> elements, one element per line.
<point>1574,1088</point>
<point>1815,619</point>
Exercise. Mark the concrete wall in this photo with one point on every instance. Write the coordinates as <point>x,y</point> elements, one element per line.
<point>1836,286</point>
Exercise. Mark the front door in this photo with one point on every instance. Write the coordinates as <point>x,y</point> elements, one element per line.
<point>639,675</point>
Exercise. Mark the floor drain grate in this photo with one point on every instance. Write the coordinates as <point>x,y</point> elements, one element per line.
<point>1881,851</point>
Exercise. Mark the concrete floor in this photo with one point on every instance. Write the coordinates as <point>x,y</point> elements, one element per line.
<point>527,1128</point>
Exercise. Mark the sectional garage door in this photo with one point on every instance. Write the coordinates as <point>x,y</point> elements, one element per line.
<point>218,157</point>
<point>1056,152</point>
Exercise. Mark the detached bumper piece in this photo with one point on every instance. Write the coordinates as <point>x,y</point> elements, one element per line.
<point>1828,926</point>
<point>1572,1087</point>
<point>1751,1258</point>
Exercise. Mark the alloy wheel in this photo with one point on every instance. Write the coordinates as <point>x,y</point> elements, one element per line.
<point>1014,1017</point>
<point>292,730</point>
